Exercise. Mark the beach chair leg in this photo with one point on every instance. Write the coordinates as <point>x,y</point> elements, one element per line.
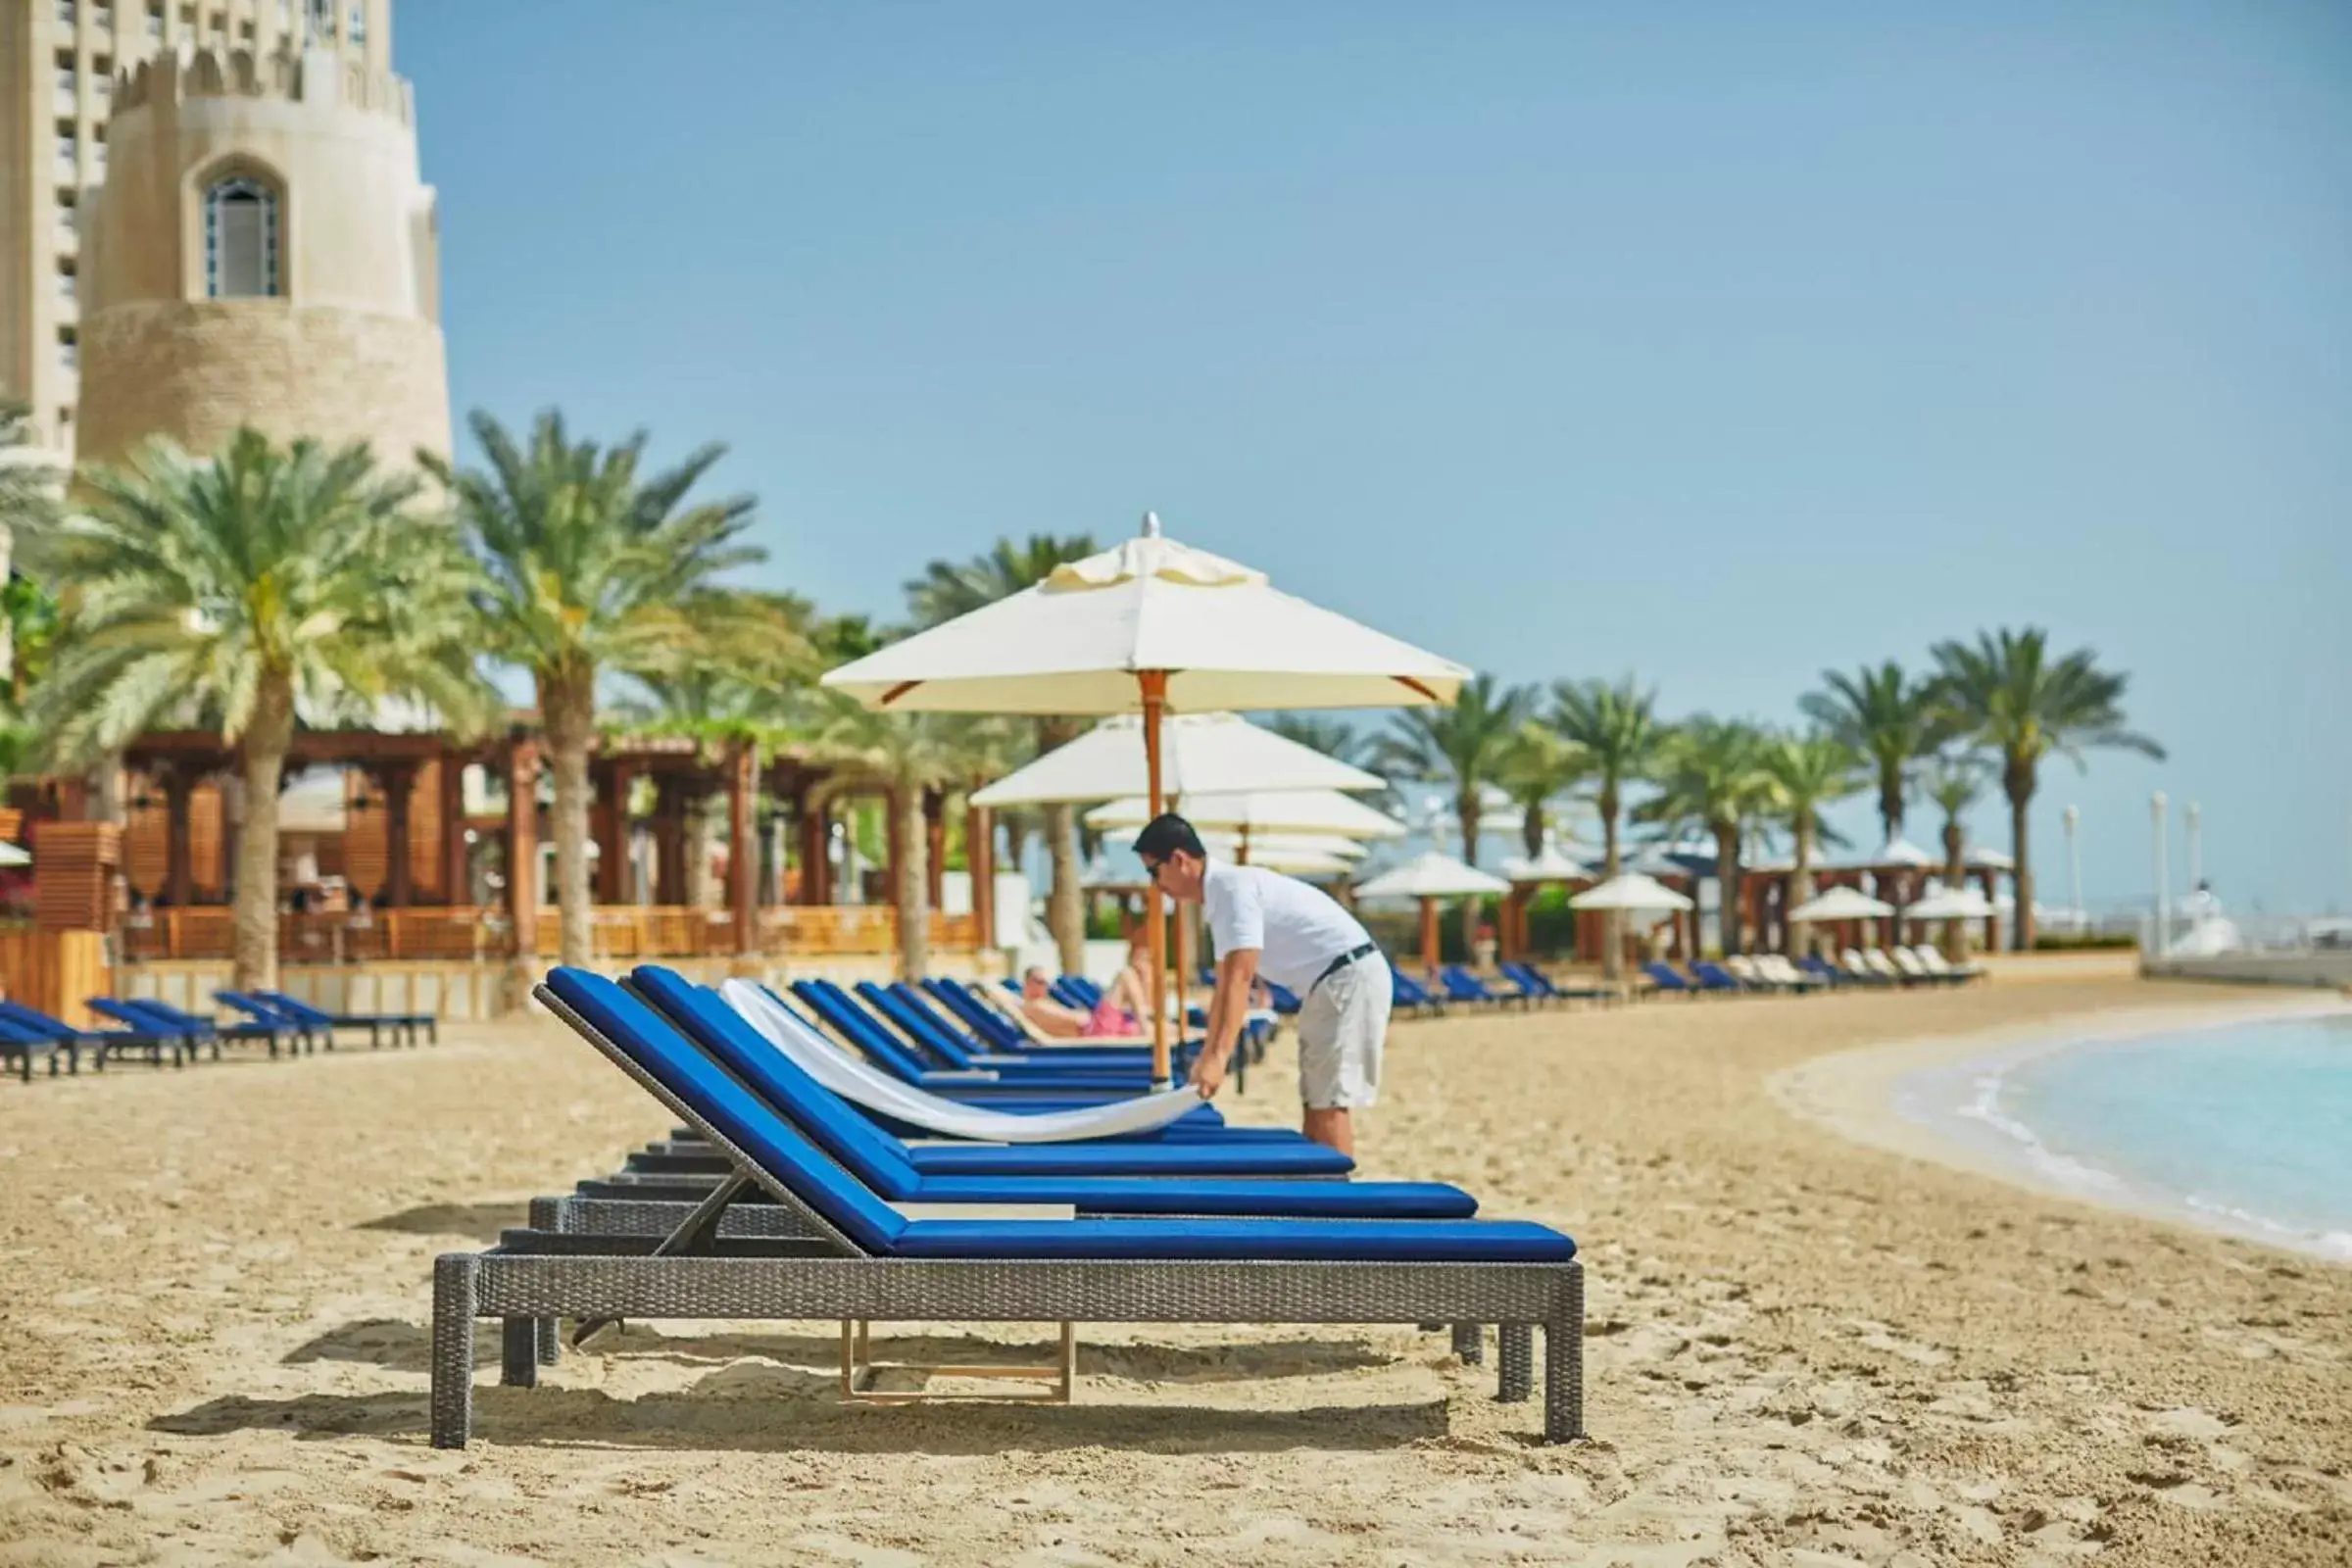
<point>454,1277</point>
<point>519,1352</point>
<point>1564,1365</point>
<point>1470,1343</point>
<point>1515,1350</point>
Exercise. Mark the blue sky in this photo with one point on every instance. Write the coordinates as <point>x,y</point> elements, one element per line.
<point>1720,343</point>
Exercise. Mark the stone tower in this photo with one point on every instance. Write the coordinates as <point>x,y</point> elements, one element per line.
<point>263,252</point>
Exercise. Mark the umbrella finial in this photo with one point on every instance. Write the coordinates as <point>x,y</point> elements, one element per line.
<point>1151,526</point>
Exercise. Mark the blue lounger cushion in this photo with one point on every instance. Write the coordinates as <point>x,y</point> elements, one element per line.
<point>871,1223</point>
<point>1289,1240</point>
<point>879,1158</point>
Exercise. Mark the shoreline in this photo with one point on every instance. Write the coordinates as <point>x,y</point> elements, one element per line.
<point>1864,1096</point>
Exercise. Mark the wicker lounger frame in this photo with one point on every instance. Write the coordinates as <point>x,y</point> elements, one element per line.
<point>534,1277</point>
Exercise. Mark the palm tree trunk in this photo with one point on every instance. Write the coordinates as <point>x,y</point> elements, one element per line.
<point>1017,842</point>
<point>1531,828</point>
<point>1065,899</point>
<point>2020,787</point>
<point>1955,877</point>
<point>701,823</point>
<point>1727,882</point>
<point>1466,806</point>
<point>568,707</point>
<point>1800,881</point>
<point>1890,803</point>
<point>914,892</point>
<point>267,735</point>
<point>1612,947</point>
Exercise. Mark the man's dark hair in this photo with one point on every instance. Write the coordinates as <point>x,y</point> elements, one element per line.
<point>1164,835</point>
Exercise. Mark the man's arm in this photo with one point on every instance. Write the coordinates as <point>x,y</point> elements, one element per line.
<point>1237,972</point>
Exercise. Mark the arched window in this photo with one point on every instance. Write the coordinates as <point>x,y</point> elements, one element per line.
<point>240,240</point>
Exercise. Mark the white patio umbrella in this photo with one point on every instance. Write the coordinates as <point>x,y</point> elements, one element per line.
<point>1256,813</point>
<point>1952,903</point>
<point>1430,877</point>
<point>1200,753</point>
<point>1149,627</point>
<point>1549,866</point>
<point>1634,893</point>
<point>1840,903</point>
<point>1897,853</point>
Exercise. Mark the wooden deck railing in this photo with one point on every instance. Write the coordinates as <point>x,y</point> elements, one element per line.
<point>475,933</point>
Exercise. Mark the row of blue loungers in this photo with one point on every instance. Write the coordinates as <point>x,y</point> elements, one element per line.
<point>159,1032</point>
<point>780,1199</point>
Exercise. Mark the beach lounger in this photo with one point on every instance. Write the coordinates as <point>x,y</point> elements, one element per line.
<point>1914,972</point>
<point>1935,963</point>
<point>1822,971</point>
<point>839,1009</point>
<point>1668,982</point>
<point>1536,982</point>
<point>375,1023</point>
<point>1884,969</point>
<point>20,1046</point>
<point>1711,976</point>
<point>864,1261</point>
<point>196,1032</point>
<point>980,1051</point>
<point>1775,969</point>
<point>1858,969</point>
<point>853,1027</point>
<point>1409,994</point>
<point>1464,987</point>
<point>215,1031</point>
<point>307,1035</point>
<point>102,1042</point>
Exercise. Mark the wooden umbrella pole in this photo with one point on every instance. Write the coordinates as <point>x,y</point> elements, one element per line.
<point>1155,684</point>
<point>1429,934</point>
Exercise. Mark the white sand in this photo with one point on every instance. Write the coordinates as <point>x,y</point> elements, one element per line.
<point>1802,1349</point>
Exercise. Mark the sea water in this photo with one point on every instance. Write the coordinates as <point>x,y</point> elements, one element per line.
<point>2246,1127</point>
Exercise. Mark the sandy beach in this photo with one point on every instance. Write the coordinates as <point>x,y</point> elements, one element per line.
<point>1802,1348</point>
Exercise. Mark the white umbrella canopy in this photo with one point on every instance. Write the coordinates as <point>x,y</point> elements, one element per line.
<point>1632,891</point>
<point>1897,852</point>
<point>1297,859</point>
<point>1149,627</point>
<point>1840,903</point>
<point>1223,844</point>
<point>1325,813</point>
<point>1549,866</point>
<point>12,856</point>
<point>1952,903</point>
<point>1430,876</point>
<point>1222,635</point>
<point>1984,857</point>
<point>1200,753</point>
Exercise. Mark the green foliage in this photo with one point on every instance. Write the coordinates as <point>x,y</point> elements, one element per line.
<point>1464,746</point>
<point>1711,777</point>
<point>1804,773</point>
<point>1615,725</point>
<point>200,586</point>
<point>1890,719</point>
<point>2007,693</point>
<point>1535,769</point>
<point>946,589</point>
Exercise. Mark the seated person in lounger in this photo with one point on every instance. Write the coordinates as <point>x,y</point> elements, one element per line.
<point>1115,1017</point>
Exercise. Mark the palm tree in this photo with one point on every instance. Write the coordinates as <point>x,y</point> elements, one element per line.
<point>1886,717</point>
<point>1954,782</point>
<point>1535,769</point>
<point>1464,746</point>
<point>904,755</point>
<point>1711,776</point>
<point>1807,772</point>
<point>946,589</point>
<point>1616,727</point>
<point>244,588</point>
<point>2006,693</point>
<point>588,565</point>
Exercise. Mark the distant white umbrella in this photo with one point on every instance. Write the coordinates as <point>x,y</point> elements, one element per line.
<point>1549,866</point>
<point>1430,877</point>
<point>1952,903</point>
<point>1323,812</point>
<point>12,856</point>
<point>1148,628</point>
<point>1634,893</point>
<point>1200,753</point>
<point>1896,854</point>
<point>1841,904</point>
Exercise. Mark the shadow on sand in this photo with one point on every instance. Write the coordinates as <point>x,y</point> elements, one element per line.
<point>478,1222</point>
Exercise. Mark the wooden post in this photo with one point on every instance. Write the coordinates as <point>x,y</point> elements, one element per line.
<point>894,844</point>
<point>980,864</point>
<point>398,780</point>
<point>1992,922</point>
<point>1154,685</point>
<point>455,891</point>
<point>180,858</point>
<point>522,849</point>
<point>1430,950</point>
<point>743,848</point>
<point>935,844</point>
<point>816,885</point>
<point>670,840</point>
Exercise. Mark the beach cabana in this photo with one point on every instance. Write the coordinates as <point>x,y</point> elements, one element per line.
<point>1428,878</point>
<point>1149,627</point>
<point>1526,873</point>
<point>1634,893</point>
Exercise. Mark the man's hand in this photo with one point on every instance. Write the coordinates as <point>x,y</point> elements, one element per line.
<point>1209,1072</point>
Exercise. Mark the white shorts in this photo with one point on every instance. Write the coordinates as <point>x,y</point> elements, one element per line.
<point>1343,1024</point>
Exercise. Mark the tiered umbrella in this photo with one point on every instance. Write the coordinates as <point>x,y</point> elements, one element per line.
<point>1252,815</point>
<point>1840,903</point>
<point>1200,753</point>
<point>1149,627</point>
<point>1430,877</point>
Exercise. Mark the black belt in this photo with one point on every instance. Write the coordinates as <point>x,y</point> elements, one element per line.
<point>1342,962</point>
